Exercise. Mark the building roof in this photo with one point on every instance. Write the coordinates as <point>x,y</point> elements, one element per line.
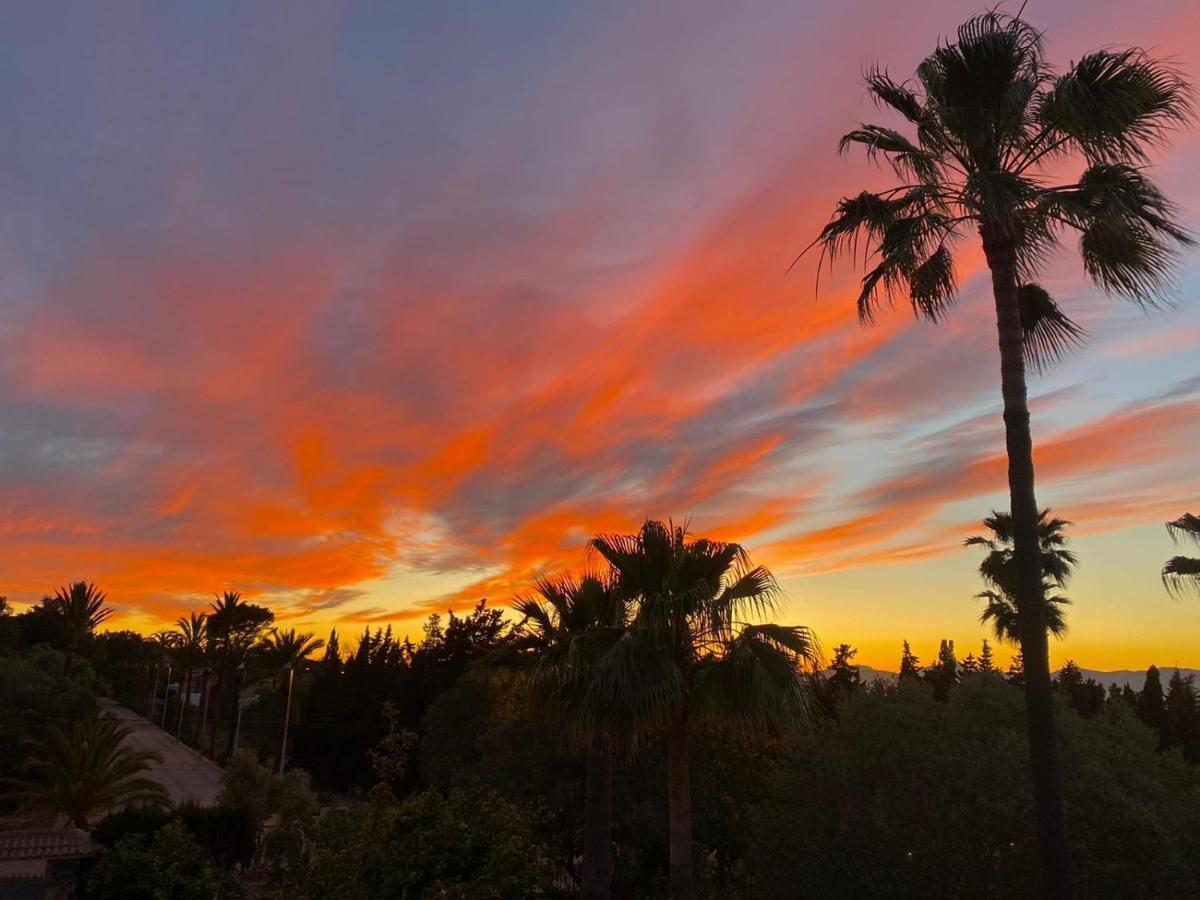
<point>45,843</point>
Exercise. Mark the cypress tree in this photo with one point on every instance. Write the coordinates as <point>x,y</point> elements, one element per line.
<point>1150,706</point>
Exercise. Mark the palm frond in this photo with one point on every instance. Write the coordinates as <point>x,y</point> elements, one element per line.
<point>1049,333</point>
<point>906,158</point>
<point>1181,575</point>
<point>1114,105</point>
<point>1186,527</point>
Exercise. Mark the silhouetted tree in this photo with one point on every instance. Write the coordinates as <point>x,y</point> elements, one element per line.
<point>190,642</point>
<point>1016,670</point>
<point>985,658</point>
<point>910,665</point>
<point>1180,715</point>
<point>1150,707</point>
<point>85,770</point>
<point>991,117</point>
<point>234,628</point>
<point>943,674</point>
<point>999,570</point>
<point>691,653</point>
<point>844,677</point>
<point>564,634</point>
<point>80,609</point>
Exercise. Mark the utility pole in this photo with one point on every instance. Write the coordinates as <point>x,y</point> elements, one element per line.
<point>287,715</point>
<point>166,697</point>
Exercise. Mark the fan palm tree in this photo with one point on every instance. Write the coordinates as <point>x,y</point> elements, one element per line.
<point>1182,573</point>
<point>288,651</point>
<point>689,652</point>
<point>561,638</point>
<point>998,570</point>
<point>81,610</point>
<point>190,640</point>
<point>85,771</point>
<point>989,116</point>
<point>287,648</point>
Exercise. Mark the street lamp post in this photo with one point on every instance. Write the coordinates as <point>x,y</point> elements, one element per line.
<point>237,725</point>
<point>287,715</point>
<point>166,697</point>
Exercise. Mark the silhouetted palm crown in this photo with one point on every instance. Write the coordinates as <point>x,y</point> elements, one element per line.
<point>690,647</point>
<point>190,634</point>
<point>989,115</point>
<point>85,771</point>
<point>285,647</point>
<point>998,569</point>
<point>565,631</point>
<point>1182,573</point>
<point>81,609</point>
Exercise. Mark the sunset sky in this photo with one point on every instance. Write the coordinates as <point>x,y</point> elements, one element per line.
<point>372,310</point>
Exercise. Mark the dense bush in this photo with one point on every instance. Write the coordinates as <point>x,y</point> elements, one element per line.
<point>167,864</point>
<point>907,796</point>
<point>225,832</point>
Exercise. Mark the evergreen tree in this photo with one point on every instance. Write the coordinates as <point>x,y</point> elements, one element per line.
<point>943,674</point>
<point>970,665</point>
<point>1180,714</point>
<point>910,665</point>
<point>844,678</point>
<point>1150,707</point>
<point>1129,696</point>
<point>985,658</point>
<point>331,663</point>
<point>1016,670</point>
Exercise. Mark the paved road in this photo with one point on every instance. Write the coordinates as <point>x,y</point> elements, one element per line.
<point>183,772</point>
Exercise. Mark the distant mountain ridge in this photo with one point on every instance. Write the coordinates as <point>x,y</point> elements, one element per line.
<point>1135,678</point>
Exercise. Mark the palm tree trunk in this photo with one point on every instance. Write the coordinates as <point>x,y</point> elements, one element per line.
<point>1031,605</point>
<point>679,808</point>
<point>597,823</point>
<point>216,716</point>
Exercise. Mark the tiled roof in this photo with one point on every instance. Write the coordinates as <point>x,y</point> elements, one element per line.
<point>45,843</point>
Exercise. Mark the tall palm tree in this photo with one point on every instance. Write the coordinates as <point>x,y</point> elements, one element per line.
<point>690,652</point>
<point>1182,573</point>
<point>287,651</point>
<point>234,628</point>
<point>191,634</point>
<point>562,638</point>
<point>81,609</point>
<point>990,116</point>
<point>284,648</point>
<point>998,570</point>
<point>85,771</point>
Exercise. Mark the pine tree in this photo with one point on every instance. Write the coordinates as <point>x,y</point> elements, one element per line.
<point>332,661</point>
<point>910,665</point>
<point>845,678</point>
<point>970,665</point>
<point>1016,670</point>
<point>1129,696</point>
<point>1069,678</point>
<point>943,674</point>
<point>985,658</point>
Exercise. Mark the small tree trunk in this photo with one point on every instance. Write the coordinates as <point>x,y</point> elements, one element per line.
<point>1031,601</point>
<point>597,823</point>
<point>679,807</point>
